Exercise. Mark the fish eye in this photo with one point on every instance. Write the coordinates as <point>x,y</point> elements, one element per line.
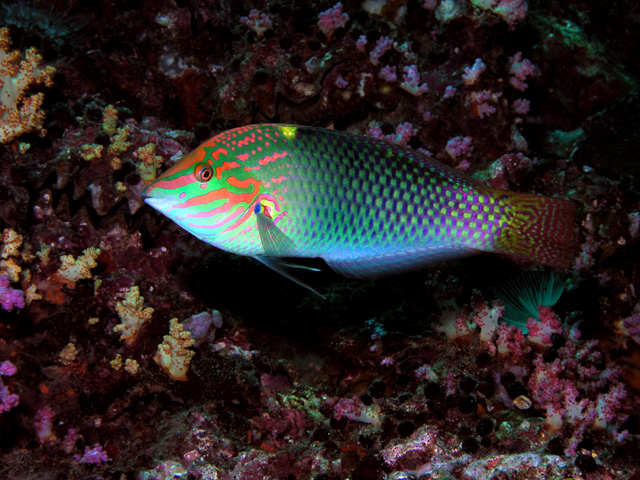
<point>203,172</point>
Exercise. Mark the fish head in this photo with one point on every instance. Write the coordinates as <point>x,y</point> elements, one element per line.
<point>208,193</point>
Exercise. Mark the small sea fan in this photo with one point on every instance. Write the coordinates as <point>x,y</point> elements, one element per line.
<point>524,294</point>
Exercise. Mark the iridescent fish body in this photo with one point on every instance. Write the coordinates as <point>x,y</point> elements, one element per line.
<point>367,207</point>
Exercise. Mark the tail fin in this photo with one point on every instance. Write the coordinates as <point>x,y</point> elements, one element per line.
<point>538,228</point>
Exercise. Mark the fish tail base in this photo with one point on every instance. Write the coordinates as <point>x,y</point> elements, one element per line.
<point>539,229</point>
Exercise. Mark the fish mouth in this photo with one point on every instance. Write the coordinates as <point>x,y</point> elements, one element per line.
<point>146,193</point>
<point>160,204</point>
<point>153,197</point>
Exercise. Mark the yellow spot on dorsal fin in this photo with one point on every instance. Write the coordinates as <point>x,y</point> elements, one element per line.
<point>288,131</point>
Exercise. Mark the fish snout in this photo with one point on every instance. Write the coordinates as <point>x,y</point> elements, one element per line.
<point>149,191</point>
<point>157,198</point>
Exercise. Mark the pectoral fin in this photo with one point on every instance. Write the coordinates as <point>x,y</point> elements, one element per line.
<point>277,244</point>
<point>274,241</point>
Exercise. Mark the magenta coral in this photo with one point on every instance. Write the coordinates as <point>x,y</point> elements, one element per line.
<point>93,456</point>
<point>202,326</point>
<point>520,69</point>
<point>540,331</point>
<point>480,105</point>
<point>70,439</point>
<point>453,321</point>
<point>7,369</point>
<point>521,106</point>
<point>449,92</point>
<point>411,81</point>
<point>388,74</point>
<point>383,45</point>
<point>354,409</point>
<point>544,384</point>
<point>549,390</point>
<point>404,132</point>
<point>9,297</point>
<point>43,423</point>
<point>563,388</point>
<point>460,147</point>
<point>608,405</point>
<point>258,22</point>
<point>510,341</point>
<point>631,326</point>
<point>471,74</point>
<point>341,82</point>
<point>486,317</point>
<point>350,408</point>
<point>7,400</point>
<point>331,19</point>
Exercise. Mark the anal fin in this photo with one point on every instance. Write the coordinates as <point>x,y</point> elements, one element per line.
<point>396,261</point>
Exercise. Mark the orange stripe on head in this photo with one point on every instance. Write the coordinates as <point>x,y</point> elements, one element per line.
<point>204,199</point>
<point>232,215</point>
<point>246,183</point>
<point>225,166</point>
<point>240,220</point>
<point>216,153</point>
<point>174,183</point>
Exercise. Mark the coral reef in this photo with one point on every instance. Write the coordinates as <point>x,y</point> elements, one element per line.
<point>416,376</point>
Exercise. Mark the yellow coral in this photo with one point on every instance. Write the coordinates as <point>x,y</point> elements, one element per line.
<point>91,151</point>
<point>11,242</point>
<point>11,269</point>
<point>20,113</point>
<point>150,162</point>
<point>110,120</point>
<point>173,355</point>
<point>116,163</point>
<point>132,314</point>
<point>68,354</point>
<point>43,253</point>
<point>80,268</point>
<point>26,253</point>
<point>131,366</point>
<point>119,143</point>
<point>31,294</point>
<point>116,363</point>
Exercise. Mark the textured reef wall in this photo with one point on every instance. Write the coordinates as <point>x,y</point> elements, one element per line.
<point>130,350</point>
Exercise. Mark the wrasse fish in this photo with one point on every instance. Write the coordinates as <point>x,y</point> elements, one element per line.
<point>367,207</point>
